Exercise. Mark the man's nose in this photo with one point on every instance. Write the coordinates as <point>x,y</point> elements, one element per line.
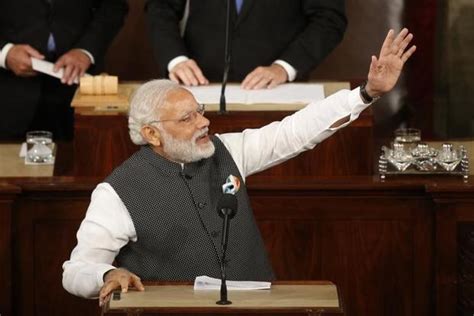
<point>202,121</point>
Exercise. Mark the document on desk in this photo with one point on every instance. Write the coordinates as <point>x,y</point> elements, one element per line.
<point>283,94</point>
<point>204,282</point>
<point>47,67</point>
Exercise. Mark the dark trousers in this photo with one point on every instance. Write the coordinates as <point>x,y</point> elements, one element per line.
<point>37,103</point>
<point>54,112</point>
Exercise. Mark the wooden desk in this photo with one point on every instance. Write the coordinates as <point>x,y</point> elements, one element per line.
<point>11,165</point>
<point>400,242</point>
<point>311,298</point>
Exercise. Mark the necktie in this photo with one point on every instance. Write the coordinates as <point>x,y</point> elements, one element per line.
<point>238,5</point>
<point>51,43</point>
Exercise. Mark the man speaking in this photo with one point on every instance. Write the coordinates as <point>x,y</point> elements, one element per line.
<point>155,214</point>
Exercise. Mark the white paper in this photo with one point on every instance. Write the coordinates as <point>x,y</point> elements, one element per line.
<point>204,282</point>
<point>47,67</point>
<point>282,94</point>
<point>22,152</point>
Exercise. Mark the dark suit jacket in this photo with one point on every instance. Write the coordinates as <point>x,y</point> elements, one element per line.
<point>85,24</point>
<point>300,32</point>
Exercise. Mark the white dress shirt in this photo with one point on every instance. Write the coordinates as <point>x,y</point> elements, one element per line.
<point>107,226</point>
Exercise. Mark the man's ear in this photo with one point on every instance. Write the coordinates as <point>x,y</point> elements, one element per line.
<point>151,135</point>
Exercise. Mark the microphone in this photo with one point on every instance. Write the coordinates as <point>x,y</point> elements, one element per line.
<point>226,209</point>
<point>227,54</point>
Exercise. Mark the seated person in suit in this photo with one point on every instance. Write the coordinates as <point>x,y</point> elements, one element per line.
<point>155,214</point>
<point>273,41</point>
<point>74,34</point>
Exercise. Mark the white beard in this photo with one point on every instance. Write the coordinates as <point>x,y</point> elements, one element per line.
<point>186,150</point>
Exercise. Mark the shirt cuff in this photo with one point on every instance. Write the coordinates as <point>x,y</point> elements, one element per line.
<point>176,61</point>
<point>101,270</point>
<point>88,55</point>
<point>290,70</point>
<point>3,55</point>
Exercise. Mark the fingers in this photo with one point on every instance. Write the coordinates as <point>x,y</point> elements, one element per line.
<point>265,77</point>
<point>387,43</point>
<point>257,79</point>
<point>189,73</point>
<point>118,278</point>
<point>397,42</point>
<point>404,44</point>
<point>137,283</point>
<point>18,60</point>
<point>105,291</point>
<point>197,72</point>
<point>74,64</point>
<point>173,77</point>
<point>408,53</point>
<point>373,64</point>
<point>33,52</point>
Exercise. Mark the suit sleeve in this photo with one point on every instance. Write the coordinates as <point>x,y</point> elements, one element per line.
<point>108,18</point>
<point>2,43</point>
<point>163,20</point>
<point>326,24</point>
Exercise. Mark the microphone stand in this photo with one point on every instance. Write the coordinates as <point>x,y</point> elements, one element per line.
<point>225,236</point>
<point>227,54</point>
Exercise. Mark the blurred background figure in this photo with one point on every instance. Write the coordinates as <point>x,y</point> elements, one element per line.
<point>74,34</point>
<point>272,41</point>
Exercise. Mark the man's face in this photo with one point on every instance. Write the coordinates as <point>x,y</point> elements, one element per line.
<point>183,129</point>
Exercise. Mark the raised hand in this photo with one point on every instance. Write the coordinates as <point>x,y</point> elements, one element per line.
<point>386,69</point>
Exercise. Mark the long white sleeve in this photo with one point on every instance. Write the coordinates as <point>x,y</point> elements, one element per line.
<point>106,228</point>
<point>255,150</point>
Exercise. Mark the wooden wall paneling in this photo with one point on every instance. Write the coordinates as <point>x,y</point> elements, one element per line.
<point>46,223</point>
<point>454,249</point>
<point>8,194</point>
<point>102,143</point>
<point>420,18</point>
<point>376,248</point>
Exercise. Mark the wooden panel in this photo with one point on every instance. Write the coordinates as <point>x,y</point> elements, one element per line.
<point>454,244</point>
<point>102,143</point>
<point>8,194</point>
<point>465,268</point>
<point>374,239</point>
<point>48,222</point>
<point>368,246</point>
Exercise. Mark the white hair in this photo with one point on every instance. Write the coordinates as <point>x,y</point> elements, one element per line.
<point>144,104</point>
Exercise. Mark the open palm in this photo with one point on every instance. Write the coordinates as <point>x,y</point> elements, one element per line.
<point>385,70</point>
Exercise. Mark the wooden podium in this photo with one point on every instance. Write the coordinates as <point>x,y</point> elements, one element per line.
<point>101,140</point>
<point>306,297</point>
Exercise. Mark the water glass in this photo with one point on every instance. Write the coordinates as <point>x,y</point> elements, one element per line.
<point>39,147</point>
<point>408,137</point>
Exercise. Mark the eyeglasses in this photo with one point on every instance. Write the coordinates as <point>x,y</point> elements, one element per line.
<point>188,118</point>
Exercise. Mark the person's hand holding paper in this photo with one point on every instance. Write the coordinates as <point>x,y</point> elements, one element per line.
<point>74,63</point>
<point>19,60</point>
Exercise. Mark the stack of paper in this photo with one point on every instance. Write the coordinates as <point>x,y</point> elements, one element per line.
<point>204,282</point>
<point>284,94</point>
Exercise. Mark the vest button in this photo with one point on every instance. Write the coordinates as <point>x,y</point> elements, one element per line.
<point>201,205</point>
<point>214,234</point>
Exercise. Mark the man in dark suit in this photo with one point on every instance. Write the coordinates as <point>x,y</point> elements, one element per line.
<point>74,34</point>
<point>273,41</point>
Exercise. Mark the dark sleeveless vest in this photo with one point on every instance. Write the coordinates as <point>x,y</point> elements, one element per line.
<point>177,225</point>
